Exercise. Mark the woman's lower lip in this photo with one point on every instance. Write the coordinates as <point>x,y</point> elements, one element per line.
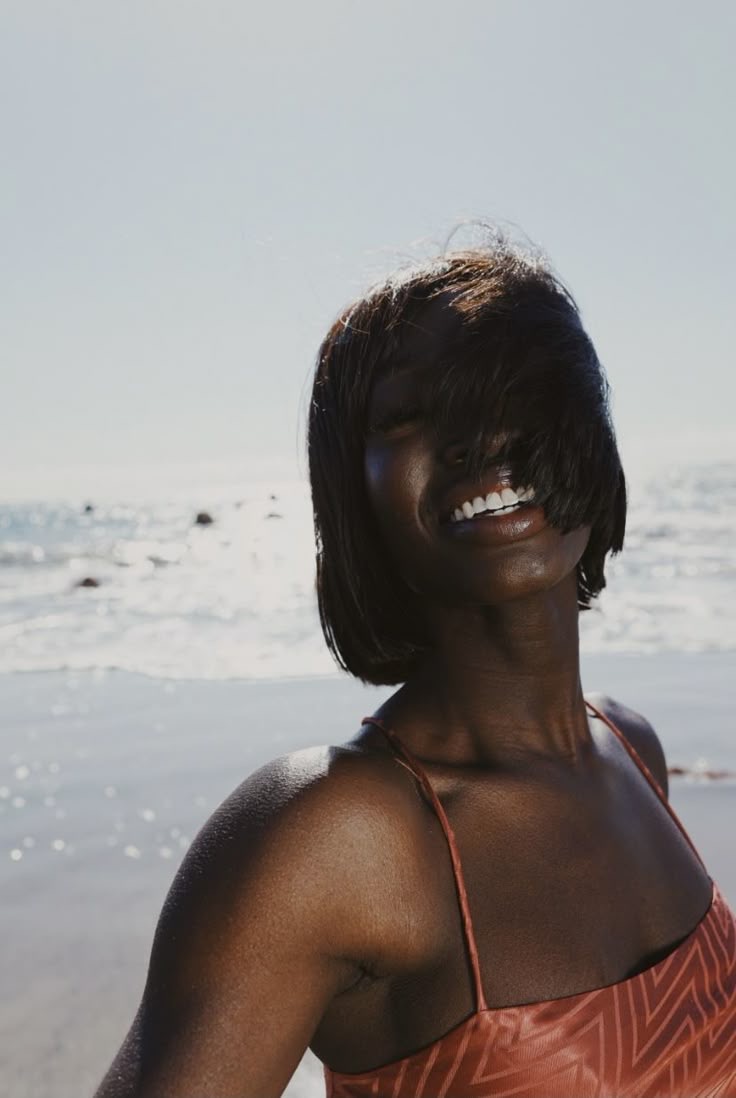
<point>489,529</point>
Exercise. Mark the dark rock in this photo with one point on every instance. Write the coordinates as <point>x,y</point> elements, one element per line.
<point>703,775</point>
<point>203,519</point>
<point>274,514</point>
<point>88,508</point>
<point>88,581</point>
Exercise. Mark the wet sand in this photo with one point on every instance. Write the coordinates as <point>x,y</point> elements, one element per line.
<point>105,778</point>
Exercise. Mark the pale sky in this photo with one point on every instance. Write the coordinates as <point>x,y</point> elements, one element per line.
<point>191,191</point>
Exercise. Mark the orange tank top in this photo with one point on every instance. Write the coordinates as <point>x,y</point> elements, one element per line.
<point>667,1031</point>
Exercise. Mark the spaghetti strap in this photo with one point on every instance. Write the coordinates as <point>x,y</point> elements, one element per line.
<point>407,760</point>
<point>414,767</point>
<point>649,776</point>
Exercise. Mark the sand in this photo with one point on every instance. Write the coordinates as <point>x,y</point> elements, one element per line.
<point>106,777</point>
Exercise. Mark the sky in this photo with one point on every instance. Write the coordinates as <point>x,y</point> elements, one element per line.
<point>190,193</point>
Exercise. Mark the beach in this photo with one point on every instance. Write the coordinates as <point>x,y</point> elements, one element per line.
<point>106,776</point>
<point>288,290</point>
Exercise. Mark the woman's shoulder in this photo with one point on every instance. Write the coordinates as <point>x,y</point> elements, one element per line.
<point>332,811</point>
<point>319,791</point>
<point>638,731</point>
<point>325,786</point>
<point>327,818</point>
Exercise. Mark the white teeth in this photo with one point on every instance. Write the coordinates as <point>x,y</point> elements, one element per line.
<point>506,500</point>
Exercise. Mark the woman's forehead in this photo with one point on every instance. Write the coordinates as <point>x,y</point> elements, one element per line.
<point>424,340</point>
<point>435,327</point>
<point>400,376</point>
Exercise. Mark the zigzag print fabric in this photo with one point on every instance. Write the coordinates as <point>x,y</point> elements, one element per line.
<point>667,1032</point>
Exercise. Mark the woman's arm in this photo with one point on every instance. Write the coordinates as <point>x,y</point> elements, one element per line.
<point>257,935</point>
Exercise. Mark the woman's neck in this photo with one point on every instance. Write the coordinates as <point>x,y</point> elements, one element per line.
<point>501,682</point>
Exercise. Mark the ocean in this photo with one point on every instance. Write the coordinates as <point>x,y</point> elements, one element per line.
<point>234,599</point>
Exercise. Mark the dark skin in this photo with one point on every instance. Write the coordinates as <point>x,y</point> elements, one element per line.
<point>318,908</point>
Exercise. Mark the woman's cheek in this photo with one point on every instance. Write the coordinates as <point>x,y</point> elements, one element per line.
<point>387,482</point>
<point>376,468</point>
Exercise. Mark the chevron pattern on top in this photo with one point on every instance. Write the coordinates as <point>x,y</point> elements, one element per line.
<point>668,1031</point>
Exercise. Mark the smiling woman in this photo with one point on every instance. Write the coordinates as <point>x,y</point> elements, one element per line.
<point>482,355</point>
<point>483,891</point>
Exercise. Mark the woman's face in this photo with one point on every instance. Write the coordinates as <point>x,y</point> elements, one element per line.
<point>416,481</point>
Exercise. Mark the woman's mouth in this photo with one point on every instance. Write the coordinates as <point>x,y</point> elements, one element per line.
<point>493,504</point>
<point>497,519</point>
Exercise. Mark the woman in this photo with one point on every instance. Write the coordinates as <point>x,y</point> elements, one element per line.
<point>483,892</point>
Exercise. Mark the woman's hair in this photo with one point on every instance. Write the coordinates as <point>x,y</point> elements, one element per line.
<point>518,366</point>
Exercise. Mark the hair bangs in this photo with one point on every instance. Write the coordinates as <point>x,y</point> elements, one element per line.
<point>530,394</point>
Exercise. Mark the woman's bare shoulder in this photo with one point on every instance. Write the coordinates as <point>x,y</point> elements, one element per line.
<point>638,731</point>
<point>337,820</point>
<point>326,786</point>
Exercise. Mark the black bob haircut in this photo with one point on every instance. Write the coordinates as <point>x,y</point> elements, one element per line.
<point>520,367</point>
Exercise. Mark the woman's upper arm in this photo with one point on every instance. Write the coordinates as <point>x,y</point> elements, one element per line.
<point>251,945</point>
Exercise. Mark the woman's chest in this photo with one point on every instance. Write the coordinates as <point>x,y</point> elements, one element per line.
<point>564,894</point>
